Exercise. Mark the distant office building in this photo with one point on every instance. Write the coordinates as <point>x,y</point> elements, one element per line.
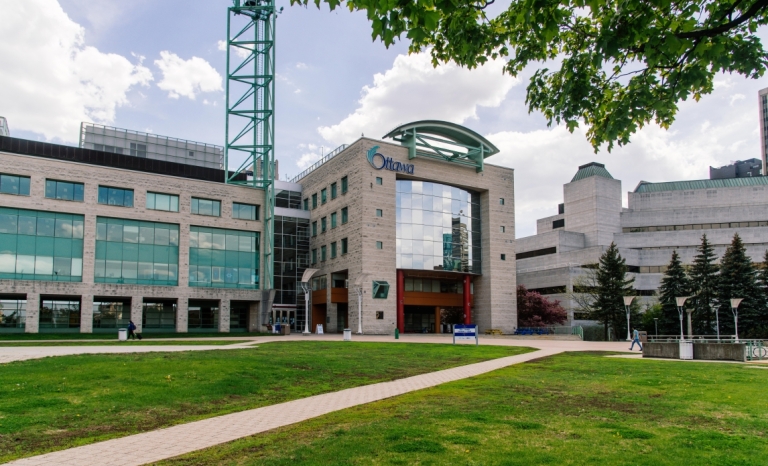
<point>738,169</point>
<point>4,131</point>
<point>762,96</point>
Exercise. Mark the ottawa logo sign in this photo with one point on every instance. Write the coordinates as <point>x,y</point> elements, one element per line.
<point>378,161</point>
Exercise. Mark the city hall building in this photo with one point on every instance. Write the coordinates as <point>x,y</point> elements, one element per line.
<point>407,234</point>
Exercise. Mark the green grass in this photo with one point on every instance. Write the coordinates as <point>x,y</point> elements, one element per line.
<point>123,343</point>
<point>570,409</point>
<point>113,335</point>
<point>54,403</point>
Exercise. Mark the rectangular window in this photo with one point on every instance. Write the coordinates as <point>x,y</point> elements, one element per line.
<point>13,314</point>
<point>160,201</point>
<point>344,215</point>
<point>64,190</point>
<point>12,184</point>
<point>314,256</point>
<point>58,315</point>
<point>333,220</point>
<point>324,195</point>
<point>139,150</point>
<point>206,207</point>
<point>503,229</point>
<point>37,245</point>
<point>379,181</point>
<point>158,314</point>
<point>323,224</point>
<point>503,257</point>
<point>220,258</point>
<point>203,315</point>
<point>136,252</point>
<point>314,201</point>
<point>343,246</point>
<point>379,213</point>
<point>501,201</point>
<point>333,250</point>
<point>111,314</point>
<point>344,185</point>
<point>314,228</point>
<point>333,191</point>
<point>245,211</point>
<point>379,245</point>
<point>322,253</point>
<point>306,203</point>
<point>116,196</point>
<point>558,223</point>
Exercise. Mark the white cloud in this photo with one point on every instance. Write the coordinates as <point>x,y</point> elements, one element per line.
<point>240,52</point>
<point>413,89</point>
<point>187,77</point>
<point>301,66</point>
<point>736,97</point>
<point>307,159</point>
<point>50,80</point>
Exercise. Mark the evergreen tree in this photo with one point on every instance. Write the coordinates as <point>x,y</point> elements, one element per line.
<point>704,289</point>
<point>675,284</point>
<point>612,286</point>
<point>738,280</point>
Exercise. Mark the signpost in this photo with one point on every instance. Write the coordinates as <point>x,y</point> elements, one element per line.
<point>465,332</point>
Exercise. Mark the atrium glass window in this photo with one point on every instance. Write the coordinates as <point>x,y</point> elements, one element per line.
<point>64,190</point>
<point>135,252</point>
<point>115,196</point>
<point>59,315</point>
<point>221,258</point>
<point>160,201</point>
<point>291,258</point>
<point>13,314</point>
<point>109,314</point>
<point>287,199</point>
<point>206,207</point>
<point>438,227</point>
<point>245,211</point>
<point>38,245</point>
<point>13,184</point>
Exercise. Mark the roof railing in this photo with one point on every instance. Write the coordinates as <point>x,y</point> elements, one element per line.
<point>317,164</point>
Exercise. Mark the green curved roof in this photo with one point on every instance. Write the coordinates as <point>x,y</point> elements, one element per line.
<point>448,130</point>
<point>646,187</point>
<point>591,169</point>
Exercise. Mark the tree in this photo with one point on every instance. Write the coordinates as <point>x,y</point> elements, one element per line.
<point>622,63</point>
<point>534,310</point>
<point>738,280</point>
<point>674,284</point>
<point>612,286</point>
<point>704,288</point>
<point>647,321</point>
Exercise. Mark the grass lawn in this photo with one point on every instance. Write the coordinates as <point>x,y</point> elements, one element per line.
<point>113,336</point>
<point>54,403</point>
<point>568,409</point>
<point>123,343</point>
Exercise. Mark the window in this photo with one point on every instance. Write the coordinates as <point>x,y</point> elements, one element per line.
<point>344,185</point>
<point>323,224</point>
<point>116,196</point>
<point>379,315</point>
<point>501,201</point>
<point>306,203</point>
<point>245,211</point>
<point>37,245</point>
<point>12,184</point>
<point>220,258</point>
<point>57,315</point>
<point>380,289</point>
<point>343,246</point>
<point>64,190</point>
<point>322,253</point>
<point>139,150</point>
<point>158,314</point>
<point>314,228</point>
<point>314,256</point>
<point>333,191</point>
<point>344,215</point>
<point>159,201</point>
<point>324,195</point>
<point>333,250</point>
<point>191,153</point>
<point>320,283</point>
<point>558,223</point>
<point>206,207</point>
<point>503,229</point>
<point>379,213</point>
<point>203,314</point>
<point>111,149</point>
<point>536,253</point>
<point>379,181</point>
<point>333,220</point>
<point>314,201</point>
<point>111,314</point>
<point>379,245</point>
<point>503,257</point>
<point>136,252</point>
<point>13,313</point>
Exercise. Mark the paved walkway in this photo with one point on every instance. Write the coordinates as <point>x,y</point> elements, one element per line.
<point>177,440</point>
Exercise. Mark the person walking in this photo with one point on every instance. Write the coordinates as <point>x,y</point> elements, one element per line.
<point>131,328</point>
<point>636,339</point>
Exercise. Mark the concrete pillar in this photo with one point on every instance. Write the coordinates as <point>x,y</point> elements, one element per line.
<point>182,315</point>
<point>32,322</point>
<point>224,316</point>
<point>86,313</point>
<point>333,315</point>
<point>690,325</point>
<point>137,311</point>
<point>254,319</point>
<point>400,301</point>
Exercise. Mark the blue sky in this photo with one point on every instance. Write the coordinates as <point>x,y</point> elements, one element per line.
<point>157,67</point>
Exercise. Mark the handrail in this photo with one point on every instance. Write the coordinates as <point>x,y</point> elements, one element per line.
<point>315,165</point>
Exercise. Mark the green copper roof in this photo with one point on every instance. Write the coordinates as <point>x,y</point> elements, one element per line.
<point>646,187</point>
<point>591,169</point>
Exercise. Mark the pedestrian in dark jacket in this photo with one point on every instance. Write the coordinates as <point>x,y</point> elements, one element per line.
<point>131,328</point>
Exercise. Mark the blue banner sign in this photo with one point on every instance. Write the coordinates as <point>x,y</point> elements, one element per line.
<point>465,332</point>
<point>379,162</point>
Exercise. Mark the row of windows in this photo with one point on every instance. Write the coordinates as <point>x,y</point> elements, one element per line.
<point>324,193</point>
<point>336,248</point>
<point>562,290</point>
<point>696,226</point>
<point>334,223</point>
<point>122,197</point>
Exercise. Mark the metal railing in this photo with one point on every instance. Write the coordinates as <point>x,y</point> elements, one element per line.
<point>755,349</point>
<point>315,165</point>
<point>552,330</point>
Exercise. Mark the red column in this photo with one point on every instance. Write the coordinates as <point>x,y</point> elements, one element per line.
<point>400,301</point>
<point>467,306</point>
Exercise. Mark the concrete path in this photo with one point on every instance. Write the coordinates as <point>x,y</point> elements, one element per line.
<point>178,440</point>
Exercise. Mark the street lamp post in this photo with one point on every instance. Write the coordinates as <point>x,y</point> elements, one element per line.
<point>359,290</point>
<point>735,309</point>
<point>628,302</point>
<point>717,321</point>
<point>680,303</point>
<point>305,286</point>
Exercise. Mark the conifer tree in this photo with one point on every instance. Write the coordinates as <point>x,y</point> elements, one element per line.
<point>612,286</point>
<point>738,280</point>
<point>704,278</point>
<point>675,284</point>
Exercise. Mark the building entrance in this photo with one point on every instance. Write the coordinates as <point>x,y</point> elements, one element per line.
<point>422,319</point>
<point>342,317</point>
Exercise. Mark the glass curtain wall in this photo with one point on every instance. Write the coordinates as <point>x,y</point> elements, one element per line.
<point>59,315</point>
<point>159,315</point>
<point>287,199</point>
<point>134,252</point>
<point>291,259</point>
<point>438,227</point>
<point>38,245</point>
<point>203,315</point>
<point>221,258</point>
<point>110,314</point>
<point>13,315</point>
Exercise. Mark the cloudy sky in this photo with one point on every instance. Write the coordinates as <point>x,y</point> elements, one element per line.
<point>158,67</point>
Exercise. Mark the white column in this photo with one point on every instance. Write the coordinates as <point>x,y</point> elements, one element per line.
<point>86,313</point>
<point>32,322</point>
